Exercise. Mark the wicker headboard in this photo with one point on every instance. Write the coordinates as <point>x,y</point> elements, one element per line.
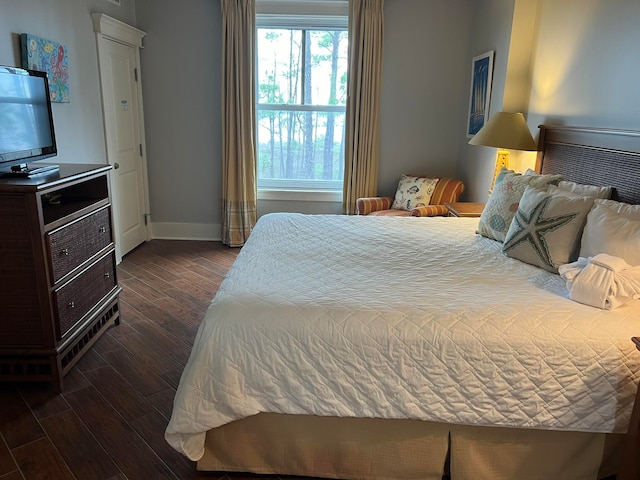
<point>593,156</point>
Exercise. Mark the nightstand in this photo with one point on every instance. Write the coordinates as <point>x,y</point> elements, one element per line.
<point>465,209</point>
<point>630,465</point>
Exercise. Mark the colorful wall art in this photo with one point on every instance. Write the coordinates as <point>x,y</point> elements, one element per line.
<point>51,57</point>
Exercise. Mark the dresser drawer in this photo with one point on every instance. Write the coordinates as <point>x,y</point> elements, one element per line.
<point>74,299</point>
<point>74,243</point>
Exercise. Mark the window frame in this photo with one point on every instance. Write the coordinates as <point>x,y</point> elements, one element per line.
<point>311,15</point>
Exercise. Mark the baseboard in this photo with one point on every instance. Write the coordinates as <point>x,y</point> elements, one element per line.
<point>186,231</point>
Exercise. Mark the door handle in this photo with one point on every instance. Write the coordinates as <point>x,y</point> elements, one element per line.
<point>116,166</point>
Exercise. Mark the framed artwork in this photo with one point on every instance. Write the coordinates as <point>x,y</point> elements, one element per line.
<point>480,93</point>
<point>50,57</point>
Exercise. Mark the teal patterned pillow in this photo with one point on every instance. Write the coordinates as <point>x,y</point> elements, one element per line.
<point>547,228</point>
<point>504,199</point>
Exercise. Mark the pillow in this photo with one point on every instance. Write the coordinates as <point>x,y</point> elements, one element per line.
<point>611,232</point>
<point>583,190</point>
<point>503,201</point>
<point>413,192</point>
<point>546,229</point>
<point>626,209</point>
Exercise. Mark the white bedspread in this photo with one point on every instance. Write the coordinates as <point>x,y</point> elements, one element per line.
<point>401,318</point>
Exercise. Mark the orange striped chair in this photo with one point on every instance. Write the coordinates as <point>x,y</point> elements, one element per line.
<point>447,190</point>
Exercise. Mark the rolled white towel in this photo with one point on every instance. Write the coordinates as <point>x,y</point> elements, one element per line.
<point>602,281</point>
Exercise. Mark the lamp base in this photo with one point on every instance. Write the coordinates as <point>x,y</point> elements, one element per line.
<point>502,160</point>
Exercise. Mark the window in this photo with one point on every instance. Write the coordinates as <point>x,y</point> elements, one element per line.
<point>301,81</point>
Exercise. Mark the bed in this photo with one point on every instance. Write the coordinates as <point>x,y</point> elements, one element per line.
<point>390,347</point>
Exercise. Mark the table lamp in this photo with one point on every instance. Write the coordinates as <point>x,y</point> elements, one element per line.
<point>504,130</point>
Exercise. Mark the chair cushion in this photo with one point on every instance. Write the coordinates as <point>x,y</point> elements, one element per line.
<point>447,190</point>
<point>413,192</point>
<point>430,211</point>
<point>391,213</point>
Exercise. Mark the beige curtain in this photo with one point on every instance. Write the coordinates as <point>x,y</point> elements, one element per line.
<point>362,135</point>
<point>239,187</point>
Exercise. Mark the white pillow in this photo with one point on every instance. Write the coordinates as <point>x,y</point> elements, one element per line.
<point>614,232</point>
<point>413,192</point>
<point>583,190</point>
<point>626,209</point>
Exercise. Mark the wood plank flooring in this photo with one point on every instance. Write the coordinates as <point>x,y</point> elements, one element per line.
<point>109,421</point>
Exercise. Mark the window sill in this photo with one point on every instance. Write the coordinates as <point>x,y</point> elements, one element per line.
<point>300,195</point>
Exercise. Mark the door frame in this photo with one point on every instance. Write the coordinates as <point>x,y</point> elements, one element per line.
<point>106,29</point>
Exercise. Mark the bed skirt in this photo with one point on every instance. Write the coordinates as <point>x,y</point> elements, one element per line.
<point>368,449</point>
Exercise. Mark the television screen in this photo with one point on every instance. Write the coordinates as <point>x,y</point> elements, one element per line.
<point>26,123</point>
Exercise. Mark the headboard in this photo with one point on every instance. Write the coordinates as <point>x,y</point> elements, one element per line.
<point>593,156</point>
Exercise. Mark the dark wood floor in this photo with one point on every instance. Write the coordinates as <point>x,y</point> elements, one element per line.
<point>109,421</point>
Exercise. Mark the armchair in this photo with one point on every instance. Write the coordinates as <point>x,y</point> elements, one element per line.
<point>445,190</point>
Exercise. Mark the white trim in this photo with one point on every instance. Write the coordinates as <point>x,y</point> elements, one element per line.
<point>298,107</point>
<point>116,30</point>
<point>303,14</point>
<point>186,231</point>
<point>108,29</point>
<point>301,195</point>
<point>302,7</point>
<point>300,185</point>
<point>329,22</point>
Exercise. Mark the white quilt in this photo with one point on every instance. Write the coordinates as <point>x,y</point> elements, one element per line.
<point>397,317</point>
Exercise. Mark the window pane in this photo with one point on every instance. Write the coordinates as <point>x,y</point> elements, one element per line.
<point>302,66</point>
<point>328,62</point>
<point>279,70</point>
<point>300,145</point>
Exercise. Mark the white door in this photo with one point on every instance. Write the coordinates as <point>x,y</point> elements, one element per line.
<point>122,108</point>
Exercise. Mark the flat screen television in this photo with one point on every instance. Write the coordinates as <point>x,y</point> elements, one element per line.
<point>26,123</point>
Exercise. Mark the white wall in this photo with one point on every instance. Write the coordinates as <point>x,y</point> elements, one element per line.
<point>423,72</point>
<point>490,30</point>
<point>423,87</point>
<point>584,68</point>
<point>586,64</point>
<point>78,124</point>
<point>181,88</point>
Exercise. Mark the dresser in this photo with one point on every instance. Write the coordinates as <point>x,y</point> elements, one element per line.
<point>58,284</point>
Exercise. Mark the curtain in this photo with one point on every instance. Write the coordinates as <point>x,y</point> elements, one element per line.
<point>362,134</point>
<point>239,170</point>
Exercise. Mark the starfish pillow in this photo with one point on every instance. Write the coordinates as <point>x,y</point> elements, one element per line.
<point>547,228</point>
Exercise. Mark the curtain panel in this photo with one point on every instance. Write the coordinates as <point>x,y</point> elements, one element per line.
<point>239,164</point>
<point>362,136</point>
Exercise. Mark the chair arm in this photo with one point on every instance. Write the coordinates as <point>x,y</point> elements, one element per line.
<point>430,211</point>
<point>366,205</point>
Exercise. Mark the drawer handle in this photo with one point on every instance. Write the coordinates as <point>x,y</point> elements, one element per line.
<point>102,229</point>
<point>107,274</point>
<point>71,304</point>
<point>65,252</point>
